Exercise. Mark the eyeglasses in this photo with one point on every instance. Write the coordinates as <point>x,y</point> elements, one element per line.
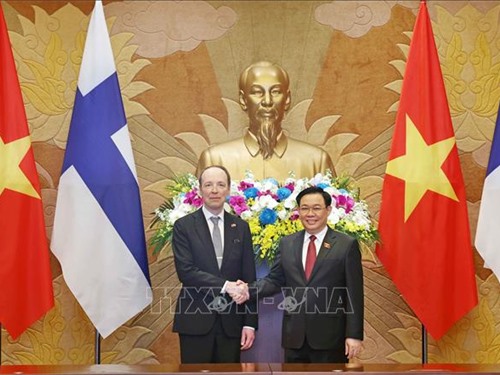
<point>315,210</point>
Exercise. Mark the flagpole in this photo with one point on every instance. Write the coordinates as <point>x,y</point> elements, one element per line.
<point>424,345</point>
<point>97,348</point>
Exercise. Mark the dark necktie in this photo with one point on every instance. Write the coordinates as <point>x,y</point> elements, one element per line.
<point>217,240</point>
<point>310,257</point>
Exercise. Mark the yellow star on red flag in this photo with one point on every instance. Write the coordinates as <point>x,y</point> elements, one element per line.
<point>425,242</point>
<point>12,176</point>
<point>25,273</point>
<point>420,167</point>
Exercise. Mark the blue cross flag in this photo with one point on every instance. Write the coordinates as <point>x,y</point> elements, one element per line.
<point>489,216</point>
<point>98,232</point>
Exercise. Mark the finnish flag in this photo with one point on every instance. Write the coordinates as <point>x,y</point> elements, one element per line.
<point>98,234</point>
<point>488,223</point>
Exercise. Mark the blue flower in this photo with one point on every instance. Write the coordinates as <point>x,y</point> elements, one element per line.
<point>323,185</point>
<point>283,193</point>
<point>343,192</point>
<point>251,192</point>
<point>268,216</point>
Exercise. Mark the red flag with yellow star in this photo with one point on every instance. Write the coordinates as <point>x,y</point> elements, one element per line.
<point>424,228</point>
<point>25,277</point>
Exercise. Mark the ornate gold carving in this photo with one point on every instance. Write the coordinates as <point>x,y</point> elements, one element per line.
<point>48,56</point>
<point>157,31</point>
<point>39,344</point>
<point>470,62</point>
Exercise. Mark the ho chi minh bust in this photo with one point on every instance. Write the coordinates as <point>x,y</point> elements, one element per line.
<point>265,149</point>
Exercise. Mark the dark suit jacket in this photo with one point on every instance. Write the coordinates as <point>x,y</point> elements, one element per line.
<point>200,301</point>
<point>328,308</point>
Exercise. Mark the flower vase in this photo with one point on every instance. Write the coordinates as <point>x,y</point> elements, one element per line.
<point>267,344</point>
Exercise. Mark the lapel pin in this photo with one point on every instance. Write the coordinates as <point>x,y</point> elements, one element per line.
<point>327,245</point>
<point>233,225</point>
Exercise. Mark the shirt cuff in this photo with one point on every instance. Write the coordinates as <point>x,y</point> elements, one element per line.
<point>223,290</point>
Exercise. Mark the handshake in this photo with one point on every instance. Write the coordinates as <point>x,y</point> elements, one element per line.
<point>238,290</point>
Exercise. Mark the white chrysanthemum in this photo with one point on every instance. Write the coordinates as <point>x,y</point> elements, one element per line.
<point>160,214</point>
<point>318,178</point>
<point>283,214</point>
<point>257,185</point>
<point>290,202</point>
<point>340,211</point>
<point>334,216</point>
<point>266,201</point>
<point>185,207</point>
<point>176,214</point>
<point>301,184</point>
<point>362,219</point>
<point>331,190</point>
<point>256,206</point>
<point>246,215</point>
<point>269,185</point>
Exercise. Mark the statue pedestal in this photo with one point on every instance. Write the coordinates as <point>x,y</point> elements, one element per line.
<point>267,344</point>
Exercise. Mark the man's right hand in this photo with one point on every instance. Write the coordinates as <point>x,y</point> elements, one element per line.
<point>238,290</point>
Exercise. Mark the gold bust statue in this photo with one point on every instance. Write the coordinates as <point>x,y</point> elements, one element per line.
<point>265,149</point>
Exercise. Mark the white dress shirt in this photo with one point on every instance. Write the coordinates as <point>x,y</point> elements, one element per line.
<point>318,242</point>
<point>208,215</point>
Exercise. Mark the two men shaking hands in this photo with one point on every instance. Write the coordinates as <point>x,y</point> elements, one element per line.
<point>318,270</point>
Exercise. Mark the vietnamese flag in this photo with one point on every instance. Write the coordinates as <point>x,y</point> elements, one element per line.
<point>25,277</point>
<point>424,228</point>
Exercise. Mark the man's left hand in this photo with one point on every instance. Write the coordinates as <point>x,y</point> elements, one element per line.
<point>247,337</point>
<point>352,347</point>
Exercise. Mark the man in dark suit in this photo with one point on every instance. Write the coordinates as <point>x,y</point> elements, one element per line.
<point>320,274</point>
<point>212,247</point>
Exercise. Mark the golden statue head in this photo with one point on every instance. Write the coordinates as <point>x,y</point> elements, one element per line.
<point>265,96</point>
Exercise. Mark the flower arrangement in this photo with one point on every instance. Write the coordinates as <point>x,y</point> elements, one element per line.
<point>270,209</point>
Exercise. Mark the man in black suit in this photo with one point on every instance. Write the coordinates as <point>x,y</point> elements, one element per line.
<point>210,248</point>
<point>320,274</point>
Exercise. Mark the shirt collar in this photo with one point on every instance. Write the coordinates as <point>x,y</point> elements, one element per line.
<point>319,236</point>
<point>208,214</point>
<point>253,148</point>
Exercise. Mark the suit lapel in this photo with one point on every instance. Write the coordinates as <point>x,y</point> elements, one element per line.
<point>297,254</point>
<point>230,236</point>
<point>326,248</point>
